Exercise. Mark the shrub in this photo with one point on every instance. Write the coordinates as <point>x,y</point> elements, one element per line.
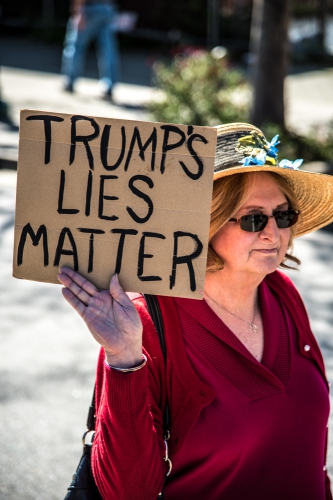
<point>199,89</point>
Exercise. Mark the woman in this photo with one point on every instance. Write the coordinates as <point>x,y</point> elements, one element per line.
<point>244,376</point>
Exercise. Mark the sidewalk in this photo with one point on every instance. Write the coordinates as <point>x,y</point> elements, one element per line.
<point>309,100</point>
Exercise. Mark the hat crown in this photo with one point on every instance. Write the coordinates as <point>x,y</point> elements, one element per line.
<point>243,143</point>
<point>228,137</point>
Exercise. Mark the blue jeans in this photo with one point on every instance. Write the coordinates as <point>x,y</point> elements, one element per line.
<point>97,26</point>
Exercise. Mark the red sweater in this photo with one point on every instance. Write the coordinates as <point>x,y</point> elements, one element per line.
<point>128,448</point>
<point>263,436</point>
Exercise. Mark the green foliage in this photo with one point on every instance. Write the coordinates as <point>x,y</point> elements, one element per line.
<point>200,90</point>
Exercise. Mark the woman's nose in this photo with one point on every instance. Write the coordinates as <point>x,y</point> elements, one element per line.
<point>271,230</point>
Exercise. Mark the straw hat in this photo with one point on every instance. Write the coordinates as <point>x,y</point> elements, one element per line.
<point>241,147</point>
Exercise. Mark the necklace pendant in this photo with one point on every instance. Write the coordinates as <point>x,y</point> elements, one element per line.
<point>253,328</point>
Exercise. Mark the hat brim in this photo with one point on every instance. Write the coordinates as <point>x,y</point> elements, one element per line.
<point>313,191</point>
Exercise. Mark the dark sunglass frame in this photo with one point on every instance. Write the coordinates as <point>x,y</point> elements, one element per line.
<point>255,223</point>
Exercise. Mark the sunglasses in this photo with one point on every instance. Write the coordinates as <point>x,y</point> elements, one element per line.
<point>258,222</point>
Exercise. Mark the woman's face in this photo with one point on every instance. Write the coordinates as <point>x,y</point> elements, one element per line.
<point>255,253</point>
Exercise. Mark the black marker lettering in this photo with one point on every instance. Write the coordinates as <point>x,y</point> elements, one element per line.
<point>195,156</point>
<point>61,251</point>
<point>88,193</point>
<point>47,119</point>
<point>41,232</point>
<point>91,245</point>
<point>166,146</point>
<point>142,147</point>
<point>142,195</point>
<point>143,256</point>
<point>103,197</point>
<point>104,148</point>
<point>123,233</point>
<point>83,138</point>
<point>62,210</point>
<point>185,259</point>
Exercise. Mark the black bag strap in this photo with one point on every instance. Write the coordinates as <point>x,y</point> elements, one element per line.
<point>156,315</point>
<point>91,413</point>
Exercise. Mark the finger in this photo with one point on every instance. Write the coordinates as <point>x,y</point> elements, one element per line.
<point>77,291</point>
<point>73,301</point>
<point>79,280</point>
<point>118,293</point>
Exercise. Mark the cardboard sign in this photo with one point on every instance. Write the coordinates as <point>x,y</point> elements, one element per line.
<point>105,195</point>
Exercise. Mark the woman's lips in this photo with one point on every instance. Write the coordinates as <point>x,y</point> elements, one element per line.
<point>266,251</point>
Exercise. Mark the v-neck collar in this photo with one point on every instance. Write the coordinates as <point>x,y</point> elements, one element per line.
<point>276,354</point>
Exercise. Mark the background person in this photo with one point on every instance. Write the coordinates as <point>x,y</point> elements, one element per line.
<point>244,378</point>
<point>91,20</point>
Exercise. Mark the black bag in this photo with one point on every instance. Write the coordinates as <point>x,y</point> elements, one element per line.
<point>83,486</point>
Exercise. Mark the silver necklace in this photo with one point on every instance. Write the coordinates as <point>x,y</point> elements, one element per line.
<point>253,328</point>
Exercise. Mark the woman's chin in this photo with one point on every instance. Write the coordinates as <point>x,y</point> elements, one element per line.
<point>267,265</point>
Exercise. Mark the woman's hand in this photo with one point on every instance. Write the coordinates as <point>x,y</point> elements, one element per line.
<point>110,316</point>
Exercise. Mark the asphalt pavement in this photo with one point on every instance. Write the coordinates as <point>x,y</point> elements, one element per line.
<point>47,356</point>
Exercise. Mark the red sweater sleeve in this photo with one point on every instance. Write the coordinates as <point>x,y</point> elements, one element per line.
<point>128,449</point>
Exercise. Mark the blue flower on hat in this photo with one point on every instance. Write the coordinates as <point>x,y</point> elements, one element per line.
<point>258,159</point>
<point>271,148</point>
<point>291,165</point>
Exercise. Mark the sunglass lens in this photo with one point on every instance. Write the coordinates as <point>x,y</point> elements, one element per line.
<point>286,219</point>
<point>253,223</point>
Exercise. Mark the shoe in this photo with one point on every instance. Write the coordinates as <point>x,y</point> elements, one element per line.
<point>68,87</point>
<point>107,95</point>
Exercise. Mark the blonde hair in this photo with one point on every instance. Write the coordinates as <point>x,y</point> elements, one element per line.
<point>229,194</point>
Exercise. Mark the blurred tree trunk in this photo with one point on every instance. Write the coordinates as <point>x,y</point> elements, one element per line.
<point>213,20</point>
<point>269,50</point>
<point>322,16</point>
